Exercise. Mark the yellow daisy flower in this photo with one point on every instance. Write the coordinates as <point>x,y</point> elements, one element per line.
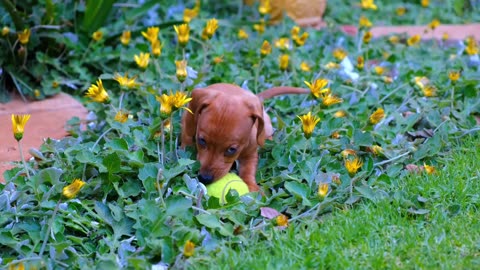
<point>414,40</point>
<point>309,122</point>
<point>281,220</point>
<point>210,28</point>
<point>454,76</point>
<point>183,33</point>
<point>283,61</point>
<point>125,38</point>
<point>97,93</point>
<point>318,87</point>
<point>72,190</point>
<point>242,34</point>
<point>24,36</point>
<point>264,7</point>
<point>368,4</point>
<point>152,34</point>
<point>266,48</point>
<point>377,116</point>
<point>142,60</point>
<point>181,70</point>
<point>364,22</point>
<point>352,165</point>
<point>126,82</point>
<point>121,117</point>
<point>188,249</point>
<point>97,35</point>
<point>157,48</point>
<point>18,125</point>
<point>305,67</point>
<point>322,190</point>
<point>339,54</point>
<point>5,31</point>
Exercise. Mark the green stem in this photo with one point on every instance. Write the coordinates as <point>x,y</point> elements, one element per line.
<point>20,148</point>
<point>172,150</point>
<point>162,131</point>
<point>257,74</point>
<point>47,233</point>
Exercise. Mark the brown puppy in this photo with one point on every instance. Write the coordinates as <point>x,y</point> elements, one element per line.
<point>228,123</point>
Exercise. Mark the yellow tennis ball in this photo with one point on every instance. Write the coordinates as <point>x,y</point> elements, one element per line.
<point>222,186</point>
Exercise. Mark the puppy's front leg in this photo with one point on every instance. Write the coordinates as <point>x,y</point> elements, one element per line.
<point>248,168</point>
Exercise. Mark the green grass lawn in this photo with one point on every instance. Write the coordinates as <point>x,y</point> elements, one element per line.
<point>383,234</point>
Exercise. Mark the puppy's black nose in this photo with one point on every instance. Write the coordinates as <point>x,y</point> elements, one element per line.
<point>205,179</point>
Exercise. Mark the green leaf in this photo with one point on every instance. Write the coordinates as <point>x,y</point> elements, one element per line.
<point>49,175</point>
<point>112,163</point>
<point>96,12</point>
<point>117,144</point>
<point>300,190</point>
<point>179,206</point>
<point>366,192</point>
<point>362,138</point>
<point>209,221</point>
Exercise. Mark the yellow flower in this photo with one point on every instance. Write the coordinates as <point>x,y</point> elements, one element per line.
<point>394,39</point>
<point>339,114</point>
<point>332,65</point>
<point>97,35</point>
<point>189,14</point>
<point>352,165</point>
<point>181,70</point>
<point>183,33</point>
<point>281,220</point>
<point>360,62</point>
<point>72,190</point>
<point>368,4</point>
<point>300,40</point>
<point>264,7</point>
<point>97,92</point>
<point>339,54</point>
<point>121,117</point>
<point>124,81</point>
<point>348,152</point>
<point>309,122</point>
<point>266,48</point>
<point>322,190</point>
<point>429,91</point>
<point>55,84</point>
<point>318,87</point>
<point>188,249</point>
<point>18,125</point>
<point>37,93</point>
<point>283,61</point>
<point>242,34</point>
<point>421,82</point>
<point>179,101</point>
<point>367,37</point>
<point>157,48</point>
<point>142,60</point>
<point>217,60</point>
<point>283,43</point>
<point>210,28</point>
<point>24,36</point>
<point>434,24</point>
<point>413,40</point>
<point>425,3</point>
<point>445,36</point>
<point>305,67</point>
<point>295,31</point>
<point>125,38</point>
<point>152,34</point>
<point>472,47</point>
<point>260,27</point>
<point>454,76</point>
<point>5,31</point>
<point>377,150</point>
<point>379,70</point>
<point>387,79</point>
<point>364,22</point>
<point>400,11</point>
<point>377,116</point>
<point>335,135</point>
<point>329,99</point>
<point>166,104</point>
<point>429,169</point>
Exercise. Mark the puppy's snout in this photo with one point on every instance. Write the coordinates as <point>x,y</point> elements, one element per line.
<point>205,178</point>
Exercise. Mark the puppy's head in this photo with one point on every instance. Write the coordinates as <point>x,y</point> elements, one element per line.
<point>224,127</point>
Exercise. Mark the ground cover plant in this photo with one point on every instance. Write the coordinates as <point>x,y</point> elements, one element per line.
<point>119,193</point>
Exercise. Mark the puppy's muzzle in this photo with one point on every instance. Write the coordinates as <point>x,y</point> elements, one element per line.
<point>205,178</point>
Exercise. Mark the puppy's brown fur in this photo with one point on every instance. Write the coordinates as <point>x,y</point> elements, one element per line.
<point>228,123</point>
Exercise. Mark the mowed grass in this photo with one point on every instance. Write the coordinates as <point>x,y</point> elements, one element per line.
<point>384,234</point>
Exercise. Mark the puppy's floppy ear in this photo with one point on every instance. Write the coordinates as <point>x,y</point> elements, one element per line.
<point>200,99</point>
<point>256,112</point>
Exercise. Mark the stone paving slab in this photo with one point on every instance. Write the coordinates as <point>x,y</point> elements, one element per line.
<point>48,119</point>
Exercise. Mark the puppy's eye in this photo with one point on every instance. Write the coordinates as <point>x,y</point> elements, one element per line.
<point>231,151</point>
<point>202,142</point>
